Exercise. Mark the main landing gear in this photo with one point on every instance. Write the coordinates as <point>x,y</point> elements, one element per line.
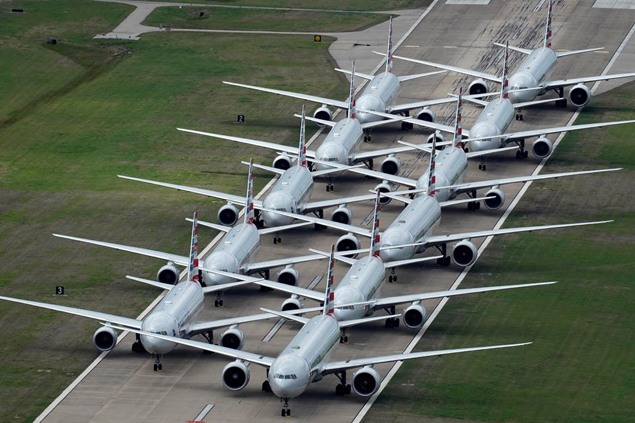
<point>158,366</point>
<point>445,260</point>
<point>392,322</point>
<point>519,115</point>
<point>522,153</point>
<point>482,166</point>
<point>286,411</point>
<point>392,278</point>
<point>137,346</point>
<point>218,302</point>
<point>277,239</point>
<point>342,388</point>
<point>329,185</point>
<point>344,337</point>
<point>563,102</point>
<point>473,205</point>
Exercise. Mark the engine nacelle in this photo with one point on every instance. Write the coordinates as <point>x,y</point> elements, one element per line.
<point>366,381</point>
<point>383,187</point>
<point>323,113</point>
<point>478,86</point>
<point>235,375</point>
<point>292,303</point>
<point>391,165</point>
<point>496,202</point>
<point>342,215</point>
<point>289,276</point>
<point>415,316</point>
<point>347,242</point>
<point>440,138</point>
<point>427,114</point>
<point>464,253</point>
<point>542,147</point>
<point>228,215</point>
<point>169,274</point>
<point>233,338</point>
<point>105,338</point>
<point>579,95</point>
<point>282,162</point>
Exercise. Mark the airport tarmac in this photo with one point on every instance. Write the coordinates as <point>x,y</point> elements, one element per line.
<point>123,387</point>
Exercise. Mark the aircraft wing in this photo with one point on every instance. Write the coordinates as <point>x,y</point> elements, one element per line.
<point>221,228</point>
<point>95,315</point>
<point>569,53</point>
<point>424,123</point>
<point>519,49</point>
<point>574,81</point>
<point>469,186</point>
<point>166,286</point>
<point>363,320</point>
<point>312,98</point>
<point>359,157</point>
<point>267,168</point>
<point>372,173</point>
<point>358,74</point>
<point>419,104</point>
<point>202,327</point>
<point>328,223</point>
<point>442,239</point>
<point>338,366</point>
<point>324,204</point>
<point>259,359</point>
<point>382,303</point>
<point>264,265</point>
<point>180,260</point>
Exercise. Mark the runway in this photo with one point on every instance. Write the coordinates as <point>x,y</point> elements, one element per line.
<point>123,388</point>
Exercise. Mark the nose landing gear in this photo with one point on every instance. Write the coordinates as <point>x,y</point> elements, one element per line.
<point>342,388</point>
<point>158,366</point>
<point>286,411</point>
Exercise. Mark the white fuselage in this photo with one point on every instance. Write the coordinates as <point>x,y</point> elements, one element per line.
<point>300,363</point>
<point>532,72</point>
<point>339,143</point>
<point>361,283</point>
<point>451,164</point>
<point>492,122</point>
<point>412,225</point>
<point>381,91</point>
<point>236,248</point>
<point>172,316</point>
<point>288,195</point>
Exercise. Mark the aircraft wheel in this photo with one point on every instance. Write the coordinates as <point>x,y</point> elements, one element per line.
<point>266,387</point>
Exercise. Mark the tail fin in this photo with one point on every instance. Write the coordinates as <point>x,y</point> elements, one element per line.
<point>389,52</point>
<point>249,206</point>
<point>458,129</point>
<point>329,297</point>
<point>548,28</point>
<point>374,240</point>
<point>352,111</point>
<point>432,179</point>
<point>504,81</point>
<point>192,271</point>
<point>302,150</point>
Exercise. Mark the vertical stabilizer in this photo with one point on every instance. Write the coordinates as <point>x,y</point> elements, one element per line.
<point>249,206</point>
<point>192,271</point>
<point>302,150</point>
<point>504,81</point>
<point>374,240</point>
<point>329,297</point>
<point>458,128</point>
<point>548,27</point>
<point>432,178</point>
<point>389,51</point>
<point>352,111</point>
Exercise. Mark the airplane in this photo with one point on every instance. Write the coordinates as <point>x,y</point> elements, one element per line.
<point>306,358</point>
<point>233,254</point>
<point>176,314</point>
<point>378,96</point>
<point>451,167</point>
<point>532,79</point>
<point>411,232</point>
<point>490,130</point>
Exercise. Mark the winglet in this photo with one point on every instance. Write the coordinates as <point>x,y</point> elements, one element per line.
<point>302,149</point>
<point>432,179</point>
<point>329,297</point>
<point>249,206</point>
<point>458,129</point>
<point>375,239</point>
<point>192,271</point>
<point>548,28</point>
<point>352,111</point>
<point>389,52</point>
<point>504,82</point>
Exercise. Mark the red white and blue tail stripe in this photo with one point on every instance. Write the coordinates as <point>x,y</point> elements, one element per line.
<point>249,208</point>
<point>432,178</point>
<point>548,28</point>
<point>375,240</point>
<point>504,81</point>
<point>329,298</point>
<point>302,150</point>
<point>389,52</point>
<point>458,128</point>
<point>192,271</point>
<point>352,111</point>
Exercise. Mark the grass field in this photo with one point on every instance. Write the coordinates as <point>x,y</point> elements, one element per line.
<point>580,367</point>
<point>352,5</point>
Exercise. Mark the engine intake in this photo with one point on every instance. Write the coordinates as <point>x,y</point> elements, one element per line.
<point>391,165</point>
<point>228,215</point>
<point>342,215</point>
<point>233,338</point>
<point>323,113</point>
<point>235,375</point>
<point>415,316</point>
<point>542,147</point>
<point>464,253</point>
<point>347,242</point>
<point>427,114</point>
<point>580,95</point>
<point>496,202</point>
<point>105,339</point>
<point>289,276</point>
<point>169,274</point>
<point>478,86</point>
<point>366,381</point>
<point>440,138</point>
<point>291,304</point>
<point>282,162</point>
<point>383,187</point>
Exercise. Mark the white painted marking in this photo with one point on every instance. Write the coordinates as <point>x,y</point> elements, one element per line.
<point>614,4</point>
<point>204,413</point>
<point>469,2</point>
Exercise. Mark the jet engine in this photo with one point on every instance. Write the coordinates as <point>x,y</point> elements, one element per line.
<point>464,253</point>
<point>440,138</point>
<point>496,202</point>
<point>228,215</point>
<point>323,113</point>
<point>235,375</point>
<point>282,162</point>
<point>291,304</point>
<point>233,338</point>
<point>541,147</point>
<point>169,273</point>
<point>347,242</point>
<point>579,95</point>
<point>383,187</point>
<point>289,276</point>
<point>366,381</point>
<point>478,86</point>
<point>342,214</point>
<point>391,165</point>
<point>426,114</point>
<point>415,316</point>
<point>105,338</point>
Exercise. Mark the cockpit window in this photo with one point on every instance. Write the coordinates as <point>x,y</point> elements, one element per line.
<point>287,377</point>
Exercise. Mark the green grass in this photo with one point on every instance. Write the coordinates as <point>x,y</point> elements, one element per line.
<point>262,20</point>
<point>580,367</point>
<point>352,5</point>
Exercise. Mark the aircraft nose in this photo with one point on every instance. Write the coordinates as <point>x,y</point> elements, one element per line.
<point>273,219</point>
<point>155,345</point>
<point>287,388</point>
<point>521,97</point>
<point>160,323</point>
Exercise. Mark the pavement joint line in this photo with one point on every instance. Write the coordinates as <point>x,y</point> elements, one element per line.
<point>204,413</point>
<point>501,221</point>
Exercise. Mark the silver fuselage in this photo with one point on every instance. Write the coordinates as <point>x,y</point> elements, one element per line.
<point>532,72</point>
<point>236,248</point>
<point>289,195</point>
<point>451,164</point>
<point>300,363</point>
<point>361,283</point>
<point>381,91</point>
<point>172,316</point>
<point>412,225</point>
<point>492,122</point>
<point>339,143</point>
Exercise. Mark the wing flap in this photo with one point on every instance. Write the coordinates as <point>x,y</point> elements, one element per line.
<point>307,97</point>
